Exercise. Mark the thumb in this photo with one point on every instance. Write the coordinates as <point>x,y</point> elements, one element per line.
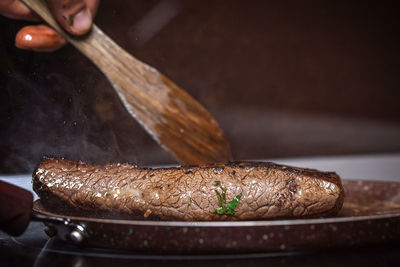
<point>73,15</point>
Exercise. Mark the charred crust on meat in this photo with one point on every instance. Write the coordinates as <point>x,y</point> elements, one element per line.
<point>188,167</point>
<point>219,168</point>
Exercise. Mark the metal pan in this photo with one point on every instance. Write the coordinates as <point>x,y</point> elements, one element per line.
<point>370,215</point>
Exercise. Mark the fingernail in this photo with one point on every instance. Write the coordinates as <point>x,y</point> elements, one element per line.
<point>38,38</point>
<point>81,22</point>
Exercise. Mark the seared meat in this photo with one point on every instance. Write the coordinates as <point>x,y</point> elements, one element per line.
<point>263,190</point>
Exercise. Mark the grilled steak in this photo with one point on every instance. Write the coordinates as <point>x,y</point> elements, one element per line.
<point>253,191</point>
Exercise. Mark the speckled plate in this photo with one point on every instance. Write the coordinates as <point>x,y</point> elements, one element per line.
<point>370,215</point>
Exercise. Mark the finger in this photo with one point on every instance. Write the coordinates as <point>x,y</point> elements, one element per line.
<point>93,5</point>
<point>39,38</point>
<point>73,15</point>
<point>15,9</point>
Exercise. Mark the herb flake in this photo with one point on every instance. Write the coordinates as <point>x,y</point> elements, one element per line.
<point>71,20</point>
<point>225,208</point>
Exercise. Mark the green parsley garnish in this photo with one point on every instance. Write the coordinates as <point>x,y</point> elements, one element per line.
<point>225,208</point>
<point>190,202</point>
<point>71,20</point>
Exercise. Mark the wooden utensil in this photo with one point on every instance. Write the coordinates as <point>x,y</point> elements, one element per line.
<point>170,115</point>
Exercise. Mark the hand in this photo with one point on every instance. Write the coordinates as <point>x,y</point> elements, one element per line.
<point>75,16</point>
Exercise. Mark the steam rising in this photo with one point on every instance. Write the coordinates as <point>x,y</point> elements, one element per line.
<point>80,118</point>
<point>56,118</point>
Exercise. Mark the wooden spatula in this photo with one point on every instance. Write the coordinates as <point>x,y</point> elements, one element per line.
<point>170,115</point>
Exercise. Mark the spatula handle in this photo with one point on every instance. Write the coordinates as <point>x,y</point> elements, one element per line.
<point>96,45</point>
<point>15,208</point>
<point>42,9</point>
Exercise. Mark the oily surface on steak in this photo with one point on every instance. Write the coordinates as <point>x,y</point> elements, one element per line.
<point>267,190</point>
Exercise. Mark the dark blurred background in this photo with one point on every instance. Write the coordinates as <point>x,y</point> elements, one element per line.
<point>283,78</point>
